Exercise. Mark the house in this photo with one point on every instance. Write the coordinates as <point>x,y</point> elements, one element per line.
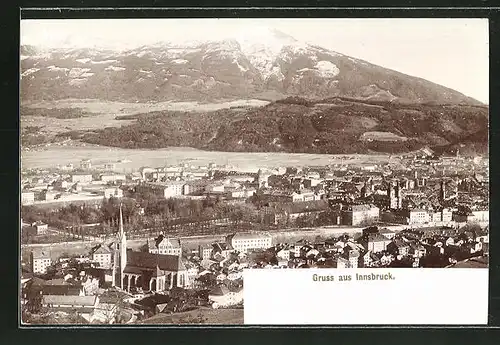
<point>173,189</point>
<point>223,249</point>
<point>85,164</point>
<point>164,245</point>
<point>27,198</point>
<point>365,260</point>
<point>205,251</point>
<point>352,256</point>
<point>417,216</point>
<point>192,273</point>
<point>359,214</point>
<point>374,242</point>
<point>113,193</point>
<point>417,250</point>
<point>103,255</point>
<point>40,228</point>
<point>298,246</point>
<point>387,233</point>
<point>449,241</point>
<point>398,247</point>
<point>83,305</point>
<point>113,178</point>
<point>81,178</point>
<point>243,242</point>
<point>283,253</point>
<point>40,260</point>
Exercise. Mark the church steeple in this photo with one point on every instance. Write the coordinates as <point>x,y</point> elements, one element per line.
<point>120,252</point>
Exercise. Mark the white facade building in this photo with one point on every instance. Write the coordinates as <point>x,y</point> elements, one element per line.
<point>244,242</point>
<point>40,261</point>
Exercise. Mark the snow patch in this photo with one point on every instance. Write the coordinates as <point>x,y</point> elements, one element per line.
<point>77,81</point>
<point>179,61</point>
<point>114,68</point>
<point>24,57</point>
<point>77,72</point>
<point>29,71</point>
<point>58,69</point>
<point>83,60</point>
<point>102,62</point>
<point>242,69</point>
<point>327,69</point>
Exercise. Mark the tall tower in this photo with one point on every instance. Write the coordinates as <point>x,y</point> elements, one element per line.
<point>442,192</point>
<point>120,257</point>
<point>395,199</point>
<point>123,248</point>
<point>398,195</point>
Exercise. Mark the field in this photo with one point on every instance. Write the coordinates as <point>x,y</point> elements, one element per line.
<point>105,112</point>
<point>245,161</point>
<point>208,315</point>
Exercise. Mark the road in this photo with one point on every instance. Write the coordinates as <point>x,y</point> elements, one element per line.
<point>192,242</point>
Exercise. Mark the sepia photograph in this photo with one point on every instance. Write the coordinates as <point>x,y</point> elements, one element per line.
<point>253,171</point>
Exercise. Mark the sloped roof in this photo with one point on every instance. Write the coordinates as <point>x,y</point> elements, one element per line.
<point>172,263</point>
<point>70,300</point>
<point>219,290</point>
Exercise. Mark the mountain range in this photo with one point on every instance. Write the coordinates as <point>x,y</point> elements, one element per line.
<point>266,65</point>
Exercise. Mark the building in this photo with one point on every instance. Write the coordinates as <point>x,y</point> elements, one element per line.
<point>27,198</point>
<point>119,255</point>
<point>41,227</point>
<point>352,256</point>
<point>446,215</point>
<point>244,242</point>
<point>205,251</point>
<point>113,193</point>
<point>86,164</point>
<point>102,255</point>
<point>50,195</point>
<point>398,247</point>
<point>154,272</point>
<point>360,214</point>
<point>113,178</point>
<point>164,245</point>
<point>40,260</point>
<point>196,187</point>
<point>173,189</point>
<point>481,215</point>
<point>109,166</point>
<point>81,178</point>
<point>374,242</point>
<point>148,271</point>
<point>390,234</point>
<point>83,305</point>
<point>395,198</point>
<point>221,248</point>
<point>417,216</point>
<point>283,253</point>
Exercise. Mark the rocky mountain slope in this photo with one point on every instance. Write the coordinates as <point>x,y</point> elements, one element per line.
<point>265,64</point>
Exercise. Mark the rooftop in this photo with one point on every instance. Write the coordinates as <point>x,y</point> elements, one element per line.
<point>69,300</point>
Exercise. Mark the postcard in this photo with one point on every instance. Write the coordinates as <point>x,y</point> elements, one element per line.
<point>254,171</point>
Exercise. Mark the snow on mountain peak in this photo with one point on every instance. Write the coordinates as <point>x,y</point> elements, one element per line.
<point>262,45</point>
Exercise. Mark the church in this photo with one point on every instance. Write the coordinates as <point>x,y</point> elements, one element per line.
<point>149,271</point>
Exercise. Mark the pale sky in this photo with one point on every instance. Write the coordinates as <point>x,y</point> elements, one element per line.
<point>450,52</point>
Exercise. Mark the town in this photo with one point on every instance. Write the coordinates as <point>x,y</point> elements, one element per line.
<point>100,245</point>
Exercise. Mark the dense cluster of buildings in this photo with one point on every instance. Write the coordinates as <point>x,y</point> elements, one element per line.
<point>431,198</point>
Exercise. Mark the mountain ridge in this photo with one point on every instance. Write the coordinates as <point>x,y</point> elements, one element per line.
<point>211,70</point>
